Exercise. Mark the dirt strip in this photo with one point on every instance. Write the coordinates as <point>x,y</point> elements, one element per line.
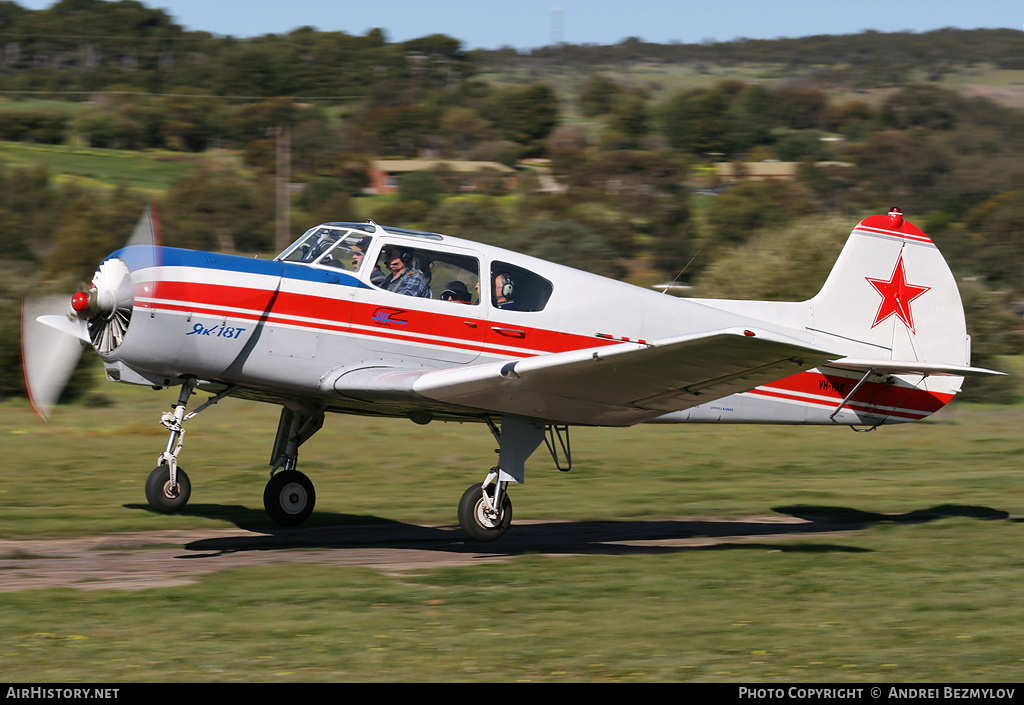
<point>136,561</point>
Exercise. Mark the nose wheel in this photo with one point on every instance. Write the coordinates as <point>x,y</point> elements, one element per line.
<point>164,495</point>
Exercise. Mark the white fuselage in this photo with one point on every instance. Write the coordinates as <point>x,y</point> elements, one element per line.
<point>289,329</point>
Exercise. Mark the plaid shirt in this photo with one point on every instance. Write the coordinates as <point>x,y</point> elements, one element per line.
<point>410,282</point>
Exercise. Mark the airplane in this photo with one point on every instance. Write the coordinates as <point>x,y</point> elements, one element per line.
<point>461,331</point>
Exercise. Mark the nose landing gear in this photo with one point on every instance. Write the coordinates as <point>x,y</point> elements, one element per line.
<point>168,488</point>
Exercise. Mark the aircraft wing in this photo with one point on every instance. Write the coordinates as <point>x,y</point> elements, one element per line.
<point>615,385</point>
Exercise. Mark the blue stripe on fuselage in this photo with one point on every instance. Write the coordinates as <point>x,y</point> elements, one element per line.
<point>144,257</point>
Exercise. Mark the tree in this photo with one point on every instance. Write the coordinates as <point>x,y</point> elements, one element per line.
<point>464,129</point>
<point>993,247</point>
<point>779,263</point>
<point>735,215</point>
<point>854,120</point>
<point>629,116</point>
<point>525,115</point>
<point>991,327</point>
<point>88,229</point>
<point>801,109</point>
<point>254,121</point>
<point>598,96</point>
<point>752,116</point>
<point>567,149</point>
<point>920,105</point>
<point>214,209</point>
<point>901,167</point>
<point>420,186</point>
<point>475,217</point>
<point>568,242</point>
<point>326,199</point>
<point>193,122</point>
<point>698,122</point>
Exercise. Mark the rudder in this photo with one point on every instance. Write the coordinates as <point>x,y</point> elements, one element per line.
<point>892,295</point>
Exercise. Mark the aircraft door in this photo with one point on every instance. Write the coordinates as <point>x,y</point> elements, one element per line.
<point>426,304</point>
<point>516,296</point>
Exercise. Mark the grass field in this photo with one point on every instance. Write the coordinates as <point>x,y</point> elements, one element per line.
<point>925,585</point>
<point>151,171</point>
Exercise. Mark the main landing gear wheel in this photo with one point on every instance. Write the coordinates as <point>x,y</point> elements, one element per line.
<point>162,495</point>
<point>478,520</point>
<point>289,498</point>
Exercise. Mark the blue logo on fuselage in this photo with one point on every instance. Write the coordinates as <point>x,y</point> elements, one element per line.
<point>387,316</point>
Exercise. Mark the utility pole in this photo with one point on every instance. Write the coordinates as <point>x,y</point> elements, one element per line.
<point>282,231</point>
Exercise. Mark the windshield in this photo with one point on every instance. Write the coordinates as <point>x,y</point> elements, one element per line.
<point>340,248</point>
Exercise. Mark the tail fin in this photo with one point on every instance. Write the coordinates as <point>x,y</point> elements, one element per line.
<point>892,307</point>
<point>892,297</point>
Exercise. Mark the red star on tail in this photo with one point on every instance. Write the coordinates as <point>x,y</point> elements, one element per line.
<point>896,296</point>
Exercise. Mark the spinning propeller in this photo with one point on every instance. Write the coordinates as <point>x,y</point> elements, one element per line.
<point>52,334</point>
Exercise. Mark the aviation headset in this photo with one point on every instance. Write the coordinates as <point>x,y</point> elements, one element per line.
<point>507,288</point>
<point>408,259</point>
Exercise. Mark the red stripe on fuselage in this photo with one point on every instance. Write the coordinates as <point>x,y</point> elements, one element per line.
<point>872,397</point>
<point>345,316</point>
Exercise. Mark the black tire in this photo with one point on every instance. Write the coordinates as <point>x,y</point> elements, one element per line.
<point>161,495</point>
<point>475,523</point>
<point>289,498</point>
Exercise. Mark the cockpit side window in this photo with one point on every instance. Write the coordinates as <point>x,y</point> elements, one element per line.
<point>513,288</point>
<point>427,273</point>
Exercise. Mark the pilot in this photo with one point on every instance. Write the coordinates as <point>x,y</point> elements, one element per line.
<point>357,256</point>
<point>358,251</point>
<point>456,291</point>
<point>403,277</point>
<point>503,291</point>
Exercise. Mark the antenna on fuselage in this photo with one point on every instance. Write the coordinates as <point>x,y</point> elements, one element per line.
<point>665,287</point>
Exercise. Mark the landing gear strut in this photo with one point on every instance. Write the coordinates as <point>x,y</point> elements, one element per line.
<point>485,511</point>
<point>289,497</point>
<point>168,488</point>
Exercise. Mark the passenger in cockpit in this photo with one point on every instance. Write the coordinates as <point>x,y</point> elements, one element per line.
<point>456,291</point>
<point>504,290</point>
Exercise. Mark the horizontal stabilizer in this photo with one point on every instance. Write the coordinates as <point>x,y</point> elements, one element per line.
<point>911,367</point>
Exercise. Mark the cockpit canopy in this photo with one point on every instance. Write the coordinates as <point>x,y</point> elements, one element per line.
<point>449,271</point>
<point>341,246</point>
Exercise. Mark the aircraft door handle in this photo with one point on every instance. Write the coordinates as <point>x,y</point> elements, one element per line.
<point>510,332</point>
<point>471,324</point>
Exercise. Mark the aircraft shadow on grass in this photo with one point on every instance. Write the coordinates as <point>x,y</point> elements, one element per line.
<point>344,531</point>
